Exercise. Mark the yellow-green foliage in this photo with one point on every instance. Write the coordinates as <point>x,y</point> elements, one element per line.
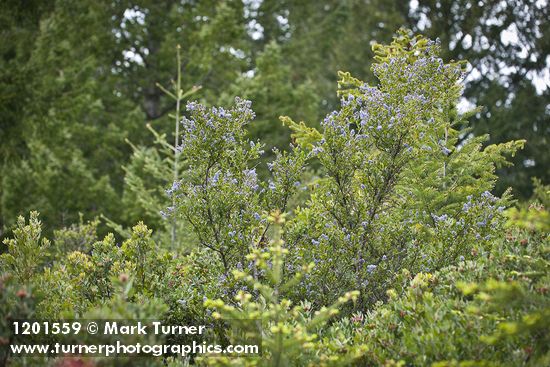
<point>288,333</point>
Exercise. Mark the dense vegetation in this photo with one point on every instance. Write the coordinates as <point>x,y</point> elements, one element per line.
<point>389,224</point>
<point>373,239</point>
<point>78,78</point>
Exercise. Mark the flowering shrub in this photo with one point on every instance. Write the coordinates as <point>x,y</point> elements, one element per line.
<point>395,188</point>
<point>388,205</point>
<point>288,333</point>
<point>492,311</point>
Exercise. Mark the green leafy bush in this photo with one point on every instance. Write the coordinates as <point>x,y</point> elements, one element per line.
<point>288,333</point>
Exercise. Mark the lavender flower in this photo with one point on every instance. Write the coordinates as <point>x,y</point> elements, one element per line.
<point>175,186</point>
<point>440,218</point>
<point>251,178</point>
<point>215,178</point>
<point>192,106</point>
<point>316,150</point>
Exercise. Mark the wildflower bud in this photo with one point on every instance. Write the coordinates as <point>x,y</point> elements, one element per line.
<point>123,277</point>
<point>21,293</point>
<point>358,318</point>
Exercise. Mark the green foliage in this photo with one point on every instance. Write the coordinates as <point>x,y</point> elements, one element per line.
<point>70,104</point>
<point>218,193</point>
<point>398,185</point>
<point>387,202</point>
<point>144,259</point>
<point>26,251</point>
<point>126,305</point>
<point>56,183</point>
<point>533,216</point>
<point>288,333</point>
<point>20,268</point>
<point>492,311</point>
<point>303,135</point>
<point>274,91</point>
<point>188,281</point>
<point>77,237</point>
<point>147,175</point>
<point>67,106</point>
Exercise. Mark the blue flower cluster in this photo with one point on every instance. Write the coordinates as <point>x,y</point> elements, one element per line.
<point>215,126</point>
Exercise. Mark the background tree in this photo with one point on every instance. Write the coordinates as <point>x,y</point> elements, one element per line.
<point>507,46</point>
<point>79,77</point>
<point>84,75</point>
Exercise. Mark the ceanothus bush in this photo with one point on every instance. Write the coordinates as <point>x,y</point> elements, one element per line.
<point>396,177</point>
<point>220,193</point>
<point>400,184</point>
